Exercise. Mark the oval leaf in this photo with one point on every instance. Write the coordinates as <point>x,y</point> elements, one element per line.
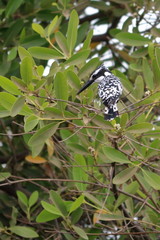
<point>33,198</point>
<point>80,232</point>
<point>12,6</point>
<point>132,39</point>
<point>43,134</point>
<point>62,43</point>
<point>17,106</point>
<point>39,29</point>
<point>115,156</point>
<point>152,179</point>
<point>9,86</point>
<point>72,30</point>
<point>26,70</point>
<point>50,208</point>
<point>25,232</point>
<point>61,89</point>
<point>148,74</point>
<point>7,100</point>
<point>140,128</point>
<point>58,202</point>
<point>77,203</point>
<point>37,160</point>
<point>124,175</point>
<point>45,53</point>
<point>45,216</point>
<point>4,176</point>
<point>30,123</point>
<point>78,58</point>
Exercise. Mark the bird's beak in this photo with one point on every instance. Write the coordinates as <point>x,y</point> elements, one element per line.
<point>86,85</point>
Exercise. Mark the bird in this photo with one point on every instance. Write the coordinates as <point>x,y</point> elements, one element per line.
<point>109,90</point>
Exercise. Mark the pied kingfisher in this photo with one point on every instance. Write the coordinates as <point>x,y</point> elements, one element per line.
<point>109,90</point>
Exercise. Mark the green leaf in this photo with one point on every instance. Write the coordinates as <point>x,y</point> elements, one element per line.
<point>156,72</point>
<point>80,232</point>
<point>52,209</point>
<point>79,172</point>
<point>30,123</point>
<point>45,216</point>
<point>73,80</point>
<point>19,83</point>
<point>24,53</point>
<point>44,53</point>
<point>88,68</point>
<point>12,6</point>
<point>13,30</point>
<point>153,179</point>
<point>111,217</point>
<point>53,25</point>
<point>26,69</point>
<point>39,29</point>
<point>77,148</point>
<point>4,112</point>
<point>4,176</point>
<point>87,42</point>
<point>9,86</point>
<point>12,54</point>
<point>62,43</point>
<point>124,175</point>
<point>61,89</point>
<point>138,91</point>
<point>33,198</point>
<point>43,134</point>
<point>93,199</point>
<point>124,120</point>
<point>132,188</point>
<point>36,149</point>
<point>78,58</point>
<point>100,122</point>
<point>132,39</point>
<point>22,198</point>
<point>72,30</point>
<point>157,53</point>
<point>7,100</point>
<point>25,232</point>
<point>17,106</point>
<point>76,204</point>
<point>141,52</point>
<point>76,215</point>
<point>140,128</point>
<point>82,32</point>
<point>114,155</point>
<point>148,74</point>
<point>26,110</point>
<point>68,236</point>
<point>58,202</point>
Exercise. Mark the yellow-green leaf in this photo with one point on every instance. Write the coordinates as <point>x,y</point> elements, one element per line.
<point>61,90</point>
<point>9,86</point>
<point>72,30</point>
<point>45,53</point>
<point>26,69</point>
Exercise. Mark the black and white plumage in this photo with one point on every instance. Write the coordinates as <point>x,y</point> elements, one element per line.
<point>109,90</point>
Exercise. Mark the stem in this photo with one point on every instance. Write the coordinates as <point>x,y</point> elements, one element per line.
<point>54,46</point>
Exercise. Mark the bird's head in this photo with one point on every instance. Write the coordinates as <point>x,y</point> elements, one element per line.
<point>96,76</point>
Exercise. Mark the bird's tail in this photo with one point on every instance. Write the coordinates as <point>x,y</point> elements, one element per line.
<point>111,112</point>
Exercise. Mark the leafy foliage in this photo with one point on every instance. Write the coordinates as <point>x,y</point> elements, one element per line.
<point>66,173</point>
